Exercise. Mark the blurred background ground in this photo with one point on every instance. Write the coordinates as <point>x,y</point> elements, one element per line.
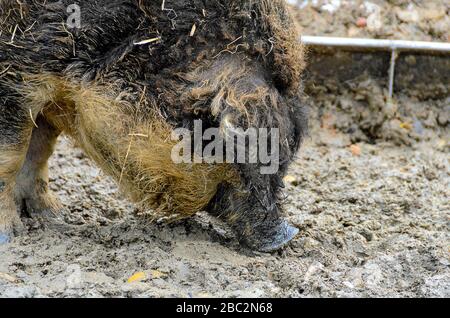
<point>419,20</point>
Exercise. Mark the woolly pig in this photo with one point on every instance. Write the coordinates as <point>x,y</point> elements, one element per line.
<point>120,76</point>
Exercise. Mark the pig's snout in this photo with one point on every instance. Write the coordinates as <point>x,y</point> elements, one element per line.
<point>263,232</point>
<point>256,226</point>
<point>269,237</point>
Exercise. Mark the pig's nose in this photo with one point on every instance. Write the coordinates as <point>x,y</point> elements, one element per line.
<point>269,238</point>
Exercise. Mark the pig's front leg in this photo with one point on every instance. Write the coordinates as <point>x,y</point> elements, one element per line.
<point>9,220</point>
<point>14,137</point>
<point>31,191</point>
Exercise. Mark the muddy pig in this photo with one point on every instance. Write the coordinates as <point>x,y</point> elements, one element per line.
<point>121,77</point>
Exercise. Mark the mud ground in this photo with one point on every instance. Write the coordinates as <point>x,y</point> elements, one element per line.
<point>373,219</point>
<point>369,192</point>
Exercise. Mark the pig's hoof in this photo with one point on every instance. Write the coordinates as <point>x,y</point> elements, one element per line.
<point>42,206</point>
<point>274,239</point>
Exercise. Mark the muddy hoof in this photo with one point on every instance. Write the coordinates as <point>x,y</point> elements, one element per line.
<point>274,239</point>
<point>4,238</point>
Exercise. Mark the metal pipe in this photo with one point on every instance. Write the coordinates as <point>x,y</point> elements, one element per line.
<point>394,56</point>
<point>388,45</point>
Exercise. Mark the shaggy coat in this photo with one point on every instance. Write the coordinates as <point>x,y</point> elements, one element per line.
<point>134,71</point>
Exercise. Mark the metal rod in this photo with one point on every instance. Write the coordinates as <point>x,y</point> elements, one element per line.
<point>392,74</point>
<point>388,45</point>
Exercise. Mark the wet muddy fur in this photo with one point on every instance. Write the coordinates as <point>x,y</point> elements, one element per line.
<point>119,100</point>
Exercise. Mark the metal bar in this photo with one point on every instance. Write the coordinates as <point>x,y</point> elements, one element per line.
<point>388,45</point>
<point>394,56</point>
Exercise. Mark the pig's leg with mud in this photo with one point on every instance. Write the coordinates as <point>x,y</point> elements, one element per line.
<point>31,192</point>
<point>15,131</point>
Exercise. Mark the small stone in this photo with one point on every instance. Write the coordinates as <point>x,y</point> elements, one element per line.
<point>409,16</point>
<point>411,60</point>
<point>356,150</point>
<point>361,22</point>
<point>349,285</point>
<point>443,118</point>
<point>346,103</point>
<point>203,295</point>
<point>433,14</point>
<point>291,180</point>
<point>8,278</point>
<point>368,235</point>
<point>373,275</point>
<point>441,145</point>
<point>374,22</point>
<point>353,31</point>
<point>158,274</point>
<point>74,278</point>
<point>313,269</point>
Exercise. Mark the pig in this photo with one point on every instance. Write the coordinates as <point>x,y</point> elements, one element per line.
<point>119,77</point>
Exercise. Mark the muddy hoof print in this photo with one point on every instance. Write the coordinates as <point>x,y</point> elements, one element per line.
<point>273,240</point>
<point>4,238</point>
